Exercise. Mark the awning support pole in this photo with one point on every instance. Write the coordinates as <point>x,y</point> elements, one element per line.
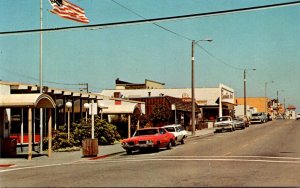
<point>29,133</point>
<point>49,132</point>
<point>129,126</point>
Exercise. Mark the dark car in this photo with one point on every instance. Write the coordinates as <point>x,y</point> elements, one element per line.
<point>239,123</point>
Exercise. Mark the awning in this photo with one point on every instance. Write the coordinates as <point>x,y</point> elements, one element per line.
<point>27,100</point>
<point>121,109</point>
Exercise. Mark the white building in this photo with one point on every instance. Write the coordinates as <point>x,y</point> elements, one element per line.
<point>239,110</point>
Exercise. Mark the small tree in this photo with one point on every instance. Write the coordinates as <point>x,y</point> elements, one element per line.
<point>160,114</point>
<point>105,132</point>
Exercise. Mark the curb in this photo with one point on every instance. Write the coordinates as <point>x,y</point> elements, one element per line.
<point>200,136</point>
<point>105,156</point>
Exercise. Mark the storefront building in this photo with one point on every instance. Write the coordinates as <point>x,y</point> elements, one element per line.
<point>212,102</point>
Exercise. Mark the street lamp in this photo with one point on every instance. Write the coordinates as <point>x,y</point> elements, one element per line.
<point>68,105</point>
<point>245,105</point>
<point>193,84</point>
<point>86,106</point>
<point>266,104</point>
<point>101,106</point>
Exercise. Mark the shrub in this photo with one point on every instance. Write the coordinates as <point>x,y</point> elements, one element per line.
<point>105,132</point>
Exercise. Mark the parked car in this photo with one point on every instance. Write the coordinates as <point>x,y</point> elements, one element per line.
<point>246,120</point>
<point>279,117</point>
<point>259,117</point>
<point>148,138</point>
<point>224,122</point>
<point>239,123</point>
<point>178,131</point>
<point>297,116</point>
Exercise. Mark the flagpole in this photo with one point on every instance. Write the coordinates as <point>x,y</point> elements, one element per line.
<point>41,74</point>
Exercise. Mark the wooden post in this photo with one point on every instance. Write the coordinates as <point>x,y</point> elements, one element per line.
<point>49,132</point>
<point>129,126</point>
<point>29,133</point>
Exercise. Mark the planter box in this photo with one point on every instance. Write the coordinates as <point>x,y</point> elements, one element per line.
<point>90,147</point>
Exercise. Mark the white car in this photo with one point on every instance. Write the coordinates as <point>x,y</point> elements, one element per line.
<point>224,122</point>
<point>298,116</point>
<point>178,131</point>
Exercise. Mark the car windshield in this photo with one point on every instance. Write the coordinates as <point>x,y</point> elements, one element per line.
<point>256,114</point>
<point>222,119</point>
<point>170,129</point>
<point>146,132</point>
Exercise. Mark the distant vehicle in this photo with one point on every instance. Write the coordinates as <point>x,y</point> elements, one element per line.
<point>178,131</point>
<point>239,123</point>
<point>148,138</point>
<point>223,123</point>
<point>246,120</point>
<point>279,117</point>
<point>259,117</point>
<point>297,116</point>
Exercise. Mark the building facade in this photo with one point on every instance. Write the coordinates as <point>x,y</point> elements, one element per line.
<point>212,102</point>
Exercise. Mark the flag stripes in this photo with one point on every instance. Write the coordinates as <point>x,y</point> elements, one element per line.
<point>68,10</point>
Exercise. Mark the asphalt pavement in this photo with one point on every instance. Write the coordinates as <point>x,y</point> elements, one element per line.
<point>75,156</point>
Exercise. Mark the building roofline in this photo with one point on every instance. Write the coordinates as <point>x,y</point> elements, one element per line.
<point>154,81</point>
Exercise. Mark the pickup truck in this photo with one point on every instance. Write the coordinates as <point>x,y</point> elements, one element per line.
<point>223,123</point>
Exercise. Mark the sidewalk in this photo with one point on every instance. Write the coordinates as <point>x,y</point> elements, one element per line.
<point>76,156</point>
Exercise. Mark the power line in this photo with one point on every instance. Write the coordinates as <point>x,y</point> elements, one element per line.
<point>180,35</point>
<point>35,79</point>
<point>155,20</point>
<point>218,59</point>
<point>162,27</point>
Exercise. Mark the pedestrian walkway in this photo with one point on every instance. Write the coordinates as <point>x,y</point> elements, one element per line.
<point>76,156</point>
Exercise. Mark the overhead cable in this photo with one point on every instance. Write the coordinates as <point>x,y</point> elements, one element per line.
<point>156,20</point>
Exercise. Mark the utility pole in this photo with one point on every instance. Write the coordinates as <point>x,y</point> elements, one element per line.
<point>41,74</point>
<point>193,84</point>
<point>266,103</point>
<point>86,86</point>
<point>193,91</point>
<point>245,108</point>
<point>245,103</point>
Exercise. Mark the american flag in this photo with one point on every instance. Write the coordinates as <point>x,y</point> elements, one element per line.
<point>68,10</point>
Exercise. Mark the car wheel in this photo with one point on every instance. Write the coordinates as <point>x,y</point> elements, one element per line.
<point>174,143</point>
<point>129,152</point>
<point>182,141</point>
<point>169,145</point>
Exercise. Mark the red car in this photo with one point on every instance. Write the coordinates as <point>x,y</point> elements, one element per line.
<point>152,138</point>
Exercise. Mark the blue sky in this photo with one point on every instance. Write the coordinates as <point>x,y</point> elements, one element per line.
<point>267,40</point>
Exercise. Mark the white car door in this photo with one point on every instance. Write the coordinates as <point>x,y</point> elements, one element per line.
<point>179,134</point>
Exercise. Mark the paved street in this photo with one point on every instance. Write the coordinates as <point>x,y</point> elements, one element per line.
<point>262,155</point>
